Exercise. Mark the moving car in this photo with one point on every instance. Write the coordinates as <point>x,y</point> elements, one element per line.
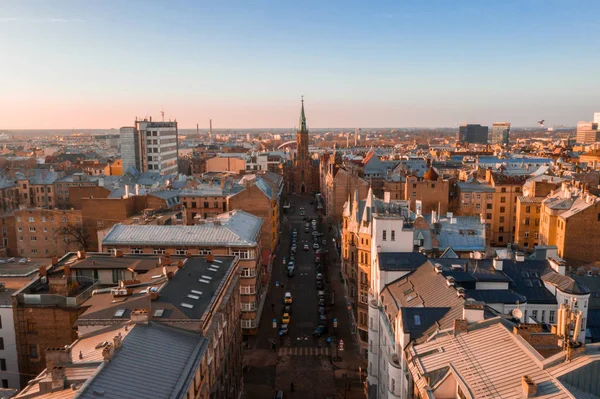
<point>284,260</point>
<point>285,319</point>
<point>316,245</point>
<point>287,298</point>
<point>306,247</point>
<point>320,331</point>
<point>287,309</point>
<point>283,330</point>
<point>306,230</point>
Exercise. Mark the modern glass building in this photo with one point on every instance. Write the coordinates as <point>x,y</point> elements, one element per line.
<point>501,133</point>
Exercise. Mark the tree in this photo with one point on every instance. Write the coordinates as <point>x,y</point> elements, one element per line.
<point>77,233</point>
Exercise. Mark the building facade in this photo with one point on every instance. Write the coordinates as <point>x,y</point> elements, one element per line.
<point>473,134</point>
<point>150,146</point>
<point>501,133</point>
<point>587,133</point>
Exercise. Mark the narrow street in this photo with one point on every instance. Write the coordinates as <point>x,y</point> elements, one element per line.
<point>315,366</point>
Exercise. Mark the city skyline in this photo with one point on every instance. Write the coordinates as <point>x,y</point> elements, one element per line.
<point>246,64</point>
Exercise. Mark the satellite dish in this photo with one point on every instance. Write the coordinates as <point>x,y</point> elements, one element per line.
<point>517,313</point>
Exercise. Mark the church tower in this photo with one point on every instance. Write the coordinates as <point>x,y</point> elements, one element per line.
<point>303,164</point>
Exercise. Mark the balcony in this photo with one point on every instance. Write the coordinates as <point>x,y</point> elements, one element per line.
<point>248,273</point>
<point>249,307</point>
<point>248,290</point>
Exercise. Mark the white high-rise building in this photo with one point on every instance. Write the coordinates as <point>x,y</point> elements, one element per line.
<point>150,146</point>
<point>597,117</point>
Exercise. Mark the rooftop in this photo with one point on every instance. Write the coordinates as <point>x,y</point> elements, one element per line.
<point>232,229</point>
<point>400,261</point>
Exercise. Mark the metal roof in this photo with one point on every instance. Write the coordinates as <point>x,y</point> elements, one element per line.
<point>236,229</point>
<point>155,361</point>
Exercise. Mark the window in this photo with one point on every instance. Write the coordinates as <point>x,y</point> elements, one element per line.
<point>503,189</point>
<point>534,314</point>
<point>536,234</point>
<point>32,229</point>
<point>488,206</point>
<point>414,194</point>
<point>477,206</point>
<point>501,239</point>
<point>414,185</point>
<point>204,252</point>
<point>243,253</point>
<point>552,314</point>
<point>526,221</point>
<point>206,204</point>
<point>180,251</point>
<point>34,251</point>
<point>3,364</point>
<point>4,383</point>
<point>30,327</point>
<point>20,229</point>
<point>159,251</point>
<point>433,186</point>
<point>526,234</point>
<point>393,235</point>
<point>488,215</point>
<point>0,322</point>
<point>137,250</point>
<point>502,209</point>
<point>64,219</point>
<point>1,343</point>
<point>583,324</point>
<point>478,196</point>
<point>502,200</point>
<point>33,238</point>
<point>501,219</point>
<point>543,316</point>
<point>193,204</point>
<point>384,235</point>
<point>45,229</point>
<point>43,219</point>
<point>528,209</point>
<point>31,219</point>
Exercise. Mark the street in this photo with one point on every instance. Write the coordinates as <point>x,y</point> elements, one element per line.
<point>315,366</point>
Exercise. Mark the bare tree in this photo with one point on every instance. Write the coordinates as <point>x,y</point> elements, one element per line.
<point>77,233</point>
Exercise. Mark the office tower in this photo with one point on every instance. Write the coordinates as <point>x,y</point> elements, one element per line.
<point>150,146</point>
<point>130,148</point>
<point>500,133</point>
<point>587,133</point>
<point>474,134</point>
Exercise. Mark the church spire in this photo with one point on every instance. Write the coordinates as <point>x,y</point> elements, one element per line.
<point>302,124</point>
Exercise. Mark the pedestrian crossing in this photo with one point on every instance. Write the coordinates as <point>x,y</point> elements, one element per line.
<point>303,351</point>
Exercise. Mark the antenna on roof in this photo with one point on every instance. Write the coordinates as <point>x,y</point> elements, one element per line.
<point>162,113</point>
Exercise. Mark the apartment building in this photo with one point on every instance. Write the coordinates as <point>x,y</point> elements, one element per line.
<point>587,133</point>
<point>527,227</point>
<point>63,185</point>
<point>473,134</point>
<point>36,188</point>
<point>432,192</point>
<point>9,194</point>
<point>47,233</point>
<point>45,310</point>
<point>496,200</point>
<point>200,294</point>
<point>95,365</point>
<point>233,233</point>
<point>339,184</point>
<point>357,240</point>
<point>569,219</point>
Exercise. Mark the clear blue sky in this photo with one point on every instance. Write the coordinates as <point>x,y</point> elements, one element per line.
<point>98,64</point>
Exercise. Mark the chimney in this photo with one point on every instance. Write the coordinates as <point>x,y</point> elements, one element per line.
<point>473,311</point>
<point>386,197</point>
<point>460,326</point>
<point>80,255</point>
<point>42,271</point>
<point>118,341</point>
<point>59,378</point>
<point>497,264</point>
<point>57,357</point>
<point>137,189</point>
<point>529,387</point>
<point>126,191</point>
<point>520,257</point>
<point>140,316</point>
<point>164,271</point>
<point>107,352</point>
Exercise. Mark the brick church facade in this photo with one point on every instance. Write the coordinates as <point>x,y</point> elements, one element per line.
<point>304,173</point>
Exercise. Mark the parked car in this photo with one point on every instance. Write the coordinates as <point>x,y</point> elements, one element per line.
<point>306,247</point>
<point>316,245</point>
<point>306,230</point>
<point>320,331</point>
<point>315,233</point>
<point>290,272</point>
<point>287,309</point>
<point>322,319</point>
<point>285,319</point>
<point>322,302</point>
<point>284,260</point>
<point>307,225</point>
<point>324,241</point>
<point>319,276</point>
<point>321,309</point>
<point>320,285</point>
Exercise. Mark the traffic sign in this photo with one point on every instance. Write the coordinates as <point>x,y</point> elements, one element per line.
<point>334,323</point>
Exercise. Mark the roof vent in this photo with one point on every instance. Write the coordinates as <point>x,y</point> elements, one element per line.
<point>529,387</point>
<point>438,268</point>
<point>456,267</point>
<point>460,291</point>
<point>450,281</point>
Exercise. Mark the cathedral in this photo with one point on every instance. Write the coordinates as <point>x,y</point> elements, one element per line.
<point>304,175</point>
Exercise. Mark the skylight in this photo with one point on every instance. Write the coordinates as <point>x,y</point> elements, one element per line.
<point>417,320</point>
<point>204,281</point>
<point>196,292</point>
<point>159,312</point>
<point>119,312</point>
<point>193,296</point>
<point>187,305</point>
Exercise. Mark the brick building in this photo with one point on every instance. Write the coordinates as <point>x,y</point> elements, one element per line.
<point>569,219</point>
<point>48,233</point>
<point>63,186</point>
<point>432,191</point>
<point>36,188</point>
<point>234,233</point>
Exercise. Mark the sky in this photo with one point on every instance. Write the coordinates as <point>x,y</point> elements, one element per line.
<point>244,64</point>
